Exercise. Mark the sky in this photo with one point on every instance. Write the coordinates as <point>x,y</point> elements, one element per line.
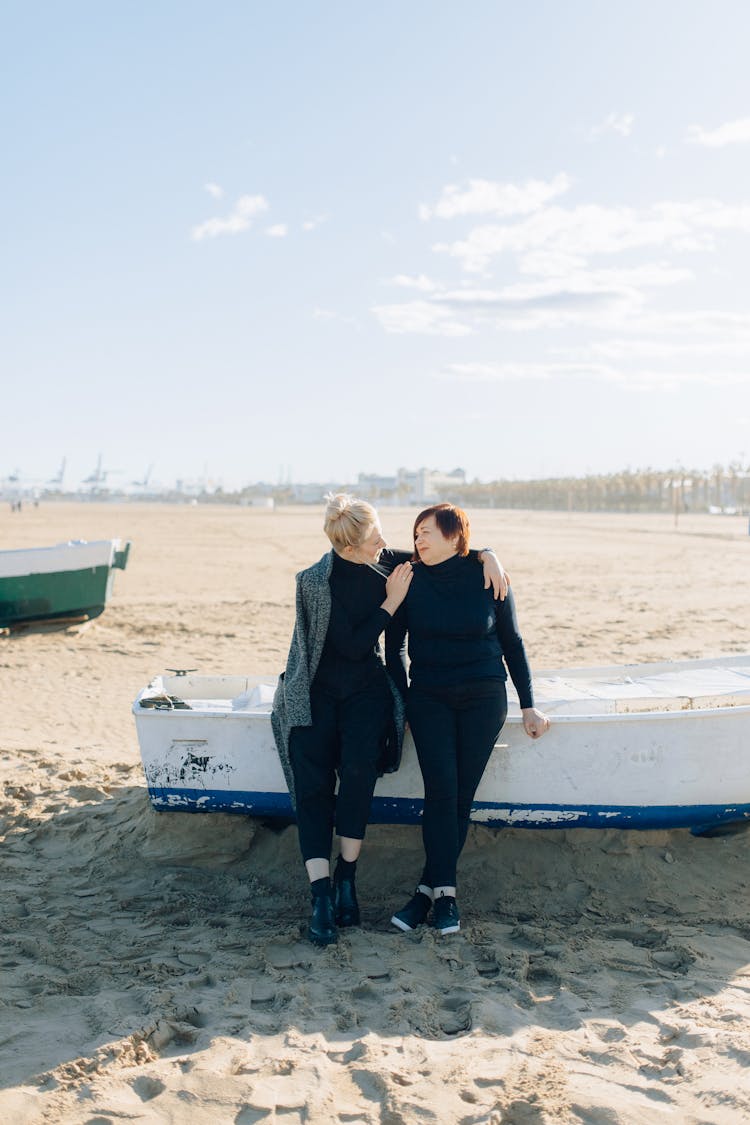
<point>303,240</point>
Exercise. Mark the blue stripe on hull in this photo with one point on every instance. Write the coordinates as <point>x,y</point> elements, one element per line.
<point>405,810</point>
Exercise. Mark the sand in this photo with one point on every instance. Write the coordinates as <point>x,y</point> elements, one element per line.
<point>153,967</point>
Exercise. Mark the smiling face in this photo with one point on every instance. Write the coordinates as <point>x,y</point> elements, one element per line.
<point>353,527</point>
<point>369,549</point>
<point>430,543</point>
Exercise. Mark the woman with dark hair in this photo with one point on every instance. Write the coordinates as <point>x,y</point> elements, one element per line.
<point>460,642</point>
<point>336,712</point>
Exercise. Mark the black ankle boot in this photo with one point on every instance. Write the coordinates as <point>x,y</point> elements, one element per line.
<point>322,928</point>
<point>345,902</point>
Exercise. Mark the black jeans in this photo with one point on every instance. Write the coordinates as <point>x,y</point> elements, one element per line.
<point>454,730</point>
<point>347,735</point>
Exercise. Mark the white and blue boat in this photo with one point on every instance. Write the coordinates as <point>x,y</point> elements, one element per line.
<point>636,746</point>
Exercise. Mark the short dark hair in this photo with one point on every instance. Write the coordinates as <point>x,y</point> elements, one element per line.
<point>451,520</point>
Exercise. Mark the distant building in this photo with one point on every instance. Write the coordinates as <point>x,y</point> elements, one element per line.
<point>315,493</point>
<point>377,489</point>
<point>411,486</point>
<point>258,502</point>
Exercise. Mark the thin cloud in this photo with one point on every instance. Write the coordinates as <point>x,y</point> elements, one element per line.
<point>278,230</point>
<point>487,197</point>
<point>658,348</point>
<point>422,283</point>
<point>579,297</point>
<point>215,190</point>
<point>519,298</point>
<point>331,315</point>
<point>605,299</point>
<point>240,219</point>
<point>522,372</point>
<point>697,332</point>
<point>421,317</point>
<point>463,313</point>
<point>619,123</point>
<point>579,275</point>
<point>731,133</point>
<point>314,223</point>
<point>637,380</point>
<point>578,232</point>
<point>598,272</point>
<point>700,321</point>
<point>663,349</point>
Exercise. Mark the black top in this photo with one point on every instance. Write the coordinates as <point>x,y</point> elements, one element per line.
<point>351,659</point>
<point>457,631</point>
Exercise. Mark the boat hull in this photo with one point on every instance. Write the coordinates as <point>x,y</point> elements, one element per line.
<point>72,580</point>
<point>664,769</point>
<point>408,810</point>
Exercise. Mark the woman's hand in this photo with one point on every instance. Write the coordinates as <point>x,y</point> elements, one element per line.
<point>535,723</point>
<point>396,587</point>
<point>494,573</point>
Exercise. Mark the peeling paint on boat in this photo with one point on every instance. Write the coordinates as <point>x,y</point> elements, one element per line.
<point>657,764</point>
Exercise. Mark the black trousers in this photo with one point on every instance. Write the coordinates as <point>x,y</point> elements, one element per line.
<point>454,731</point>
<point>347,735</point>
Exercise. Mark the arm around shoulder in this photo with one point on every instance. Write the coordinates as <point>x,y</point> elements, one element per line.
<point>495,574</point>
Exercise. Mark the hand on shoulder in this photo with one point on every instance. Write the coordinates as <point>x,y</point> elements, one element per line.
<point>397,586</point>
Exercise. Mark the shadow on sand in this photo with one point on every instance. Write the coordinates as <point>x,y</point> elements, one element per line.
<point>130,935</point>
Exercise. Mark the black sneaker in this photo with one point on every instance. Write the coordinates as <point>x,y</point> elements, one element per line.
<point>414,913</point>
<point>445,917</point>
<point>322,928</point>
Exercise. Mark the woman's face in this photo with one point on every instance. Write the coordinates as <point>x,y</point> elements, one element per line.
<point>431,545</point>
<point>369,550</point>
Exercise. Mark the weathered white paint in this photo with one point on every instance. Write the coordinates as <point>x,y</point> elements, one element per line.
<point>608,747</point>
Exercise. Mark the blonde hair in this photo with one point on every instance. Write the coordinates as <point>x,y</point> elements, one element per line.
<point>348,521</point>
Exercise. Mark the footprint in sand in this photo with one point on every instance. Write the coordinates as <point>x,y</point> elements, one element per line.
<point>676,960</point>
<point>291,956</point>
<point>181,1032</point>
<point>263,993</point>
<point>365,993</point>
<point>86,793</point>
<point>370,964</point>
<point>643,936</point>
<point>148,1088</point>
<point>455,1013</point>
<point>194,959</point>
<point>486,965</point>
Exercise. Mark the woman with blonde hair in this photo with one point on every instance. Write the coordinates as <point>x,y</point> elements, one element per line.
<point>337,710</point>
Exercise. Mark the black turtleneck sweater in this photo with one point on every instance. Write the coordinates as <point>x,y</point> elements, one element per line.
<point>351,659</point>
<point>457,631</point>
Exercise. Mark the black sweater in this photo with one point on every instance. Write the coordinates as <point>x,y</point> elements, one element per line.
<point>457,631</point>
<point>351,659</point>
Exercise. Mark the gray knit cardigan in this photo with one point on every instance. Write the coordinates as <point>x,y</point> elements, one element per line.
<point>291,702</point>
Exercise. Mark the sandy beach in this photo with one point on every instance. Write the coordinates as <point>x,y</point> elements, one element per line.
<point>153,967</point>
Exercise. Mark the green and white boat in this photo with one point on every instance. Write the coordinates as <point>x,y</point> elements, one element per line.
<point>69,580</point>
